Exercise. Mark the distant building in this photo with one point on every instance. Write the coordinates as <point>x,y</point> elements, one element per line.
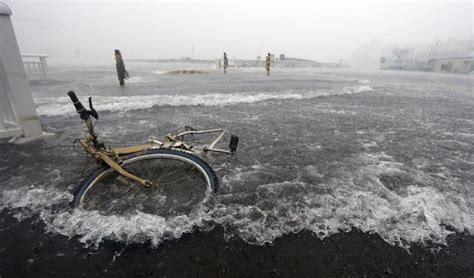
<point>450,56</point>
<point>399,60</point>
<point>452,64</point>
<point>282,56</point>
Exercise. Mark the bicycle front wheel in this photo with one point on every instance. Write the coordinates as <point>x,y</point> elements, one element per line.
<point>181,181</point>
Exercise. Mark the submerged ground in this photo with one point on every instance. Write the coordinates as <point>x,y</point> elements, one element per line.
<point>338,173</point>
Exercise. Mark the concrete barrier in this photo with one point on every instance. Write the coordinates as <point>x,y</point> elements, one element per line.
<point>18,111</point>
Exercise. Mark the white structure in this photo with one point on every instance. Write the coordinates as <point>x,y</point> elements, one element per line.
<point>17,110</point>
<point>452,64</point>
<point>35,66</point>
<point>400,60</point>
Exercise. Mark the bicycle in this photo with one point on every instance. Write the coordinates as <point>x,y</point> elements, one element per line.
<point>137,170</point>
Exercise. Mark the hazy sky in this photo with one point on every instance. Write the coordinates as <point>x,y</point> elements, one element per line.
<point>323,31</point>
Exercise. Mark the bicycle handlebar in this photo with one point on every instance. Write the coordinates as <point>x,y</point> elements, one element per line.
<point>85,115</point>
<point>79,107</point>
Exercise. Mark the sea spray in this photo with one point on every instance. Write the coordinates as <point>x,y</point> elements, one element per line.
<point>61,105</point>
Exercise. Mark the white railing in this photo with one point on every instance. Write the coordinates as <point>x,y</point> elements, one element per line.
<point>35,66</point>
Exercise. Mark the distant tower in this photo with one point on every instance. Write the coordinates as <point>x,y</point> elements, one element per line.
<point>192,55</point>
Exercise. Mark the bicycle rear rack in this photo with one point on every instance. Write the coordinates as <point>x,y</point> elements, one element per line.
<point>178,140</point>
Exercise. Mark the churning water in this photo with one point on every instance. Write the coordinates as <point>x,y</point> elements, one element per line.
<point>325,151</point>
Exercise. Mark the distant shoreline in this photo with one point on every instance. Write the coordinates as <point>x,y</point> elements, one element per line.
<point>287,62</point>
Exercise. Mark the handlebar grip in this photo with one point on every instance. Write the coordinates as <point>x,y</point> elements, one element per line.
<point>77,103</point>
<point>73,96</point>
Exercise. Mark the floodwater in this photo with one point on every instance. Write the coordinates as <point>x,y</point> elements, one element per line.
<point>320,150</point>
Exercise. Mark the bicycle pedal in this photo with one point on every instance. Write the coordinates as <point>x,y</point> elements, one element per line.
<point>234,141</point>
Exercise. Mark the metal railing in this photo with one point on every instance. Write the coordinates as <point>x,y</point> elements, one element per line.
<point>35,66</point>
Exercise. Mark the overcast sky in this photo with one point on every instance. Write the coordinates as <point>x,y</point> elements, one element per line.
<point>323,31</point>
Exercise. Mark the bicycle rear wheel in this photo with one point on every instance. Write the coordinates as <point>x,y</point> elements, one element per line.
<point>181,181</point>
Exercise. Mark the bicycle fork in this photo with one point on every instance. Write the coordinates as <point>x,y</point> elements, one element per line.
<point>106,157</point>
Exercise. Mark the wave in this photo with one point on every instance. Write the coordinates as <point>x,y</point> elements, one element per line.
<point>56,106</point>
<point>363,198</point>
<point>362,89</point>
<point>136,79</point>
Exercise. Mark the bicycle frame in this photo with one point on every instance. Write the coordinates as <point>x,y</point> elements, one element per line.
<point>113,156</point>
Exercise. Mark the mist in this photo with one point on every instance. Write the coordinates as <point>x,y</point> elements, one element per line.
<point>322,32</point>
<point>326,32</point>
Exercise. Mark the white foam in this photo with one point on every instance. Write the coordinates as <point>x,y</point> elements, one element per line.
<point>361,89</point>
<point>55,106</point>
<point>90,225</point>
<point>138,228</point>
<point>136,79</point>
<point>32,199</point>
<point>355,198</point>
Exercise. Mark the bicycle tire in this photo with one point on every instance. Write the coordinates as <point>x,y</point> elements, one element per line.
<point>179,157</point>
